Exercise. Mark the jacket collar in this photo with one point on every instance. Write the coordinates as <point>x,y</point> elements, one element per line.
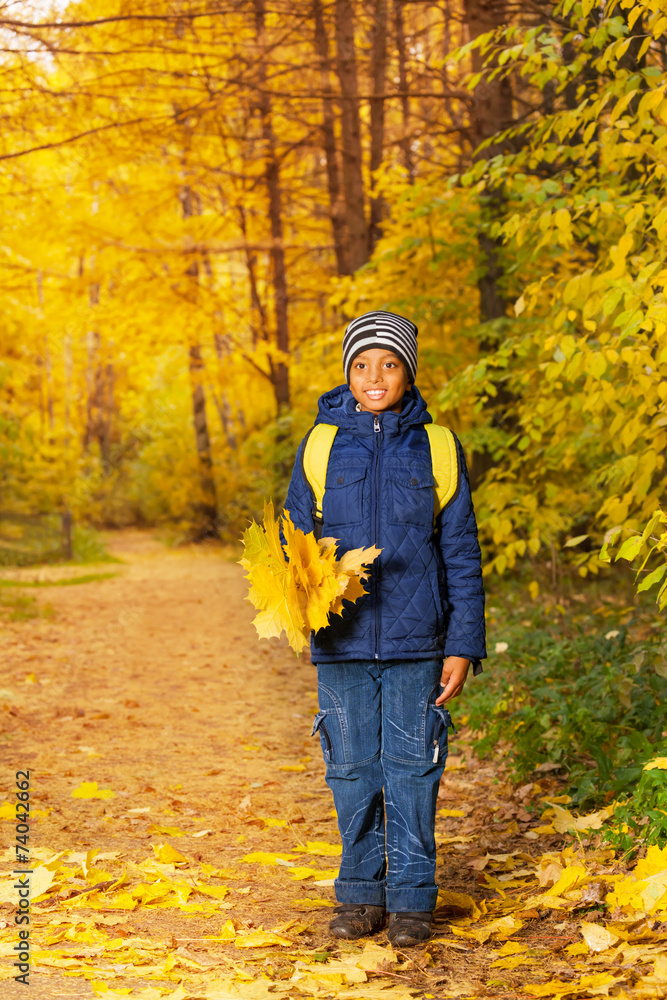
<point>338,406</point>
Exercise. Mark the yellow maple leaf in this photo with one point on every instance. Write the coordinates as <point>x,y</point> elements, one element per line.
<point>272,532</point>
<point>301,872</point>
<point>458,901</point>
<point>170,831</point>
<point>571,876</point>
<point>654,862</point>
<point>227,932</point>
<point>587,984</point>
<point>297,589</point>
<point>266,858</point>
<point>596,937</point>
<point>101,989</point>
<point>303,552</point>
<point>564,820</point>
<point>659,763</point>
<point>168,854</point>
<point>217,891</point>
<point>354,561</point>
<point>261,939</point>
<point>311,904</point>
<point>503,927</point>
<point>320,847</point>
<point>374,956</point>
<point>147,893</point>
<point>512,948</point>
<point>512,962</point>
<point>645,889</point>
<point>89,790</point>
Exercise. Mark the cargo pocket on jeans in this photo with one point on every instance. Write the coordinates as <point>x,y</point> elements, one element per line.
<point>320,726</point>
<point>439,745</point>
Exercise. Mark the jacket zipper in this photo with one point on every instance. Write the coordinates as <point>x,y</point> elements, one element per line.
<point>377,427</point>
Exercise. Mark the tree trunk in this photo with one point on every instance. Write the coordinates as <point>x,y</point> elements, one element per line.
<point>491,113</point>
<point>66,533</point>
<point>353,186</point>
<point>48,367</point>
<point>336,206</point>
<point>92,351</point>
<point>68,371</point>
<point>272,179</point>
<point>106,405</point>
<point>378,71</point>
<point>206,508</point>
<point>99,392</point>
<point>260,327</point>
<point>206,512</point>
<point>403,85</point>
<point>222,352</point>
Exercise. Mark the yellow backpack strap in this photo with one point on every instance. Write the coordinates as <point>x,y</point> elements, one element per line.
<point>314,461</point>
<point>445,465</point>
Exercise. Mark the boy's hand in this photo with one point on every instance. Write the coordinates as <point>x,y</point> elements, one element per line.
<point>454,673</point>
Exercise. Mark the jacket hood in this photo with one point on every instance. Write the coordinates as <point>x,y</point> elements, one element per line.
<point>338,406</point>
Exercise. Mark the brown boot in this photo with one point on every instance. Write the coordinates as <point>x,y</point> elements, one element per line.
<point>355,920</point>
<point>409,928</point>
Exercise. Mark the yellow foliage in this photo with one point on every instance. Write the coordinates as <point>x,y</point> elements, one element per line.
<point>89,790</point>
<point>645,889</point>
<point>320,847</point>
<point>309,903</point>
<point>585,986</point>
<point>298,589</point>
<point>167,854</point>
<point>598,938</point>
<point>501,928</point>
<point>266,858</point>
<point>658,763</point>
<point>102,989</point>
<point>261,939</point>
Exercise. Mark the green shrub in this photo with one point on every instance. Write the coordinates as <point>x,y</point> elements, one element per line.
<point>642,817</point>
<point>575,689</point>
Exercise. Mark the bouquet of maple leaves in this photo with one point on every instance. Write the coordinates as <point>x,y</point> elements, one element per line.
<point>297,588</point>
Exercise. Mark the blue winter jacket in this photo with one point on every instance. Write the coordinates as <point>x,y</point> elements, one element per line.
<point>425,596</point>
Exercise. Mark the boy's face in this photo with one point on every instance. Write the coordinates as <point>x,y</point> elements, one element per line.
<point>379,380</point>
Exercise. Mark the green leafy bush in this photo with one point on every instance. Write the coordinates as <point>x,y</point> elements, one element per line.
<point>643,816</point>
<point>582,689</point>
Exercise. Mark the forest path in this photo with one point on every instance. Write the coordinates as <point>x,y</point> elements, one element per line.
<point>153,684</point>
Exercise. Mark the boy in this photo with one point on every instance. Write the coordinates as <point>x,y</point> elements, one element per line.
<point>381,720</point>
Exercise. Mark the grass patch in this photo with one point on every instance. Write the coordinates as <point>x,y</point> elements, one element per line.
<point>22,607</point>
<point>88,546</point>
<point>29,540</point>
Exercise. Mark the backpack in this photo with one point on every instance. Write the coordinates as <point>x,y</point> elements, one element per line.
<point>444,459</point>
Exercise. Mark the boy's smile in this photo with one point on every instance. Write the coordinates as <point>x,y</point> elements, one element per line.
<point>379,380</point>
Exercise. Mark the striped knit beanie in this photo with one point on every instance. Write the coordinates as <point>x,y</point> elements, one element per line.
<point>381,329</point>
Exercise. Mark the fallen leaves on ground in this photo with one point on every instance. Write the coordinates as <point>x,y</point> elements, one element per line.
<point>531,904</point>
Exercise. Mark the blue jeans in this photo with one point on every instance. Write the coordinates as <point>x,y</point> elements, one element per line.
<point>385,745</point>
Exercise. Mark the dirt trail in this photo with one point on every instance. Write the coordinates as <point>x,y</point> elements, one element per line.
<point>154,685</point>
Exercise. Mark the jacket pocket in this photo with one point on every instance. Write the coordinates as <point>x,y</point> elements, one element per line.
<point>343,501</point>
<point>412,496</point>
<point>320,726</point>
